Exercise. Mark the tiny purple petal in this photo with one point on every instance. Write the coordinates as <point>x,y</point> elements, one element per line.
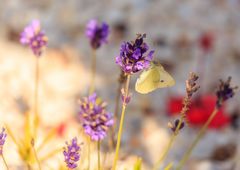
<point>150,55</point>
<point>3,137</point>
<point>125,97</point>
<point>137,54</point>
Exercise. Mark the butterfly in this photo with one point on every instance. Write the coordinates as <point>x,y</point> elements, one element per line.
<point>153,78</point>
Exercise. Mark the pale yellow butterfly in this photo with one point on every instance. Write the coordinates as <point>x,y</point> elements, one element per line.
<point>153,78</point>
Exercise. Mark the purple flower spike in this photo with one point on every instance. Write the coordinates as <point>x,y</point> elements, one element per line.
<point>71,153</point>
<point>133,57</point>
<point>97,34</point>
<point>34,38</point>
<point>225,91</point>
<point>3,136</point>
<point>94,117</point>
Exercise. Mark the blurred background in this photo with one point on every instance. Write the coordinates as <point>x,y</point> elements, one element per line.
<point>188,35</point>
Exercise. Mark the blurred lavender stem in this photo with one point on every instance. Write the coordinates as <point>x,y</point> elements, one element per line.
<point>121,81</point>
<point>99,157</point>
<point>50,154</point>
<point>89,152</point>
<point>173,137</point>
<point>191,88</point>
<point>197,139</point>
<point>93,72</point>
<point>224,92</point>
<point>36,117</point>
<point>35,154</point>
<point>121,122</point>
<point>5,162</point>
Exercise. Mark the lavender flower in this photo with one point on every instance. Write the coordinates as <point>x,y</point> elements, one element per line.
<point>3,136</point>
<point>225,91</point>
<point>34,37</point>
<point>174,126</point>
<point>133,57</point>
<point>71,153</point>
<point>95,119</point>
<point>97,34</point>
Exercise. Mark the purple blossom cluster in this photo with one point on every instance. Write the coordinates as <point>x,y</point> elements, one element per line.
<point>3,136</point>
<point>71,153</point>
<point>34,38</point>
<point>133,57</point>
<point>96,33</point>
<point>225,91</point>
<point>94,117</point>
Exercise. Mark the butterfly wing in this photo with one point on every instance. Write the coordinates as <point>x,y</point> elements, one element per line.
<point>166,80</point>
<point>153,78</point>
<point>148,81</point>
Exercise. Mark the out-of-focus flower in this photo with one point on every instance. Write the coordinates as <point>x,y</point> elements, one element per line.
<point>97,34</point>
<point>34,37</point>
<point>206,41</point>
<point>199,111</point>
<point>61,128</point>
<point>224,92</point>
<point>174,105</point>
<point>71,153</point>
<point>3,136</point>
<point>94,117</point>
<point>133,57</point>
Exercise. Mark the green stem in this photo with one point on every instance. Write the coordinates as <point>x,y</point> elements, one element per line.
<point>36,86</point>
<point>99,158</point>
<point>36,157</point>
<point>5,162</point>
<point>121,123</point>
<point>93,72</point>
<point>174,135</point>
<point>36,90</point>
<point>171,141</point>
<point>197,139</point>
<point>111,139</point>
<point>165,152</point>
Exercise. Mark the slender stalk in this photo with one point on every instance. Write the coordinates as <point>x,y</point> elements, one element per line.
<point>174,135</point>
<point>99,157</point>
<point>5,162</point>
<point>165,153</point>
<point>121,124</point>
<point>36,91</point>
<point>121,81</point>
<point>171,141</point>
<point>197,139</point>
<point>93,72</point>
<point>50,154</point>
<point>36,86</point>
<point>88,153</point>
<point>36,157</point>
